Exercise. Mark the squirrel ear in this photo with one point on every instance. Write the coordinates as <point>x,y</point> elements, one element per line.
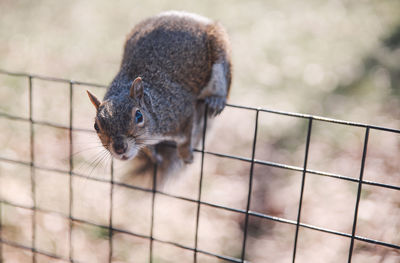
<point>136,91</point>
<point>93,99</point>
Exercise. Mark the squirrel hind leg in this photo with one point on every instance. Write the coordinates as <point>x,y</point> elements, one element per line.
<point>215,92</point>
<point>184,143</point>
<point>185,153</point>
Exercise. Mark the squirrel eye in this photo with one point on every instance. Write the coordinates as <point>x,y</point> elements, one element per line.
<point>96,127</point>
<point>138,117</point>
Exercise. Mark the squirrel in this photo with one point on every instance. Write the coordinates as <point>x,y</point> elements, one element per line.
<point>173,63</point>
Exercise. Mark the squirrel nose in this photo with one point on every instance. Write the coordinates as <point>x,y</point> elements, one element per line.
<point>120,147</point>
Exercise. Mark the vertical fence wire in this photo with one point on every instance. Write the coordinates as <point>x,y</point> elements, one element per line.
<point>154,189</point>
<point>32,157</point>
<point>246,221</point>
<point>110,219</point>
<point>303,181</point>
<point>71,167</point>
<point>364,156</point>
<point>203,143</point>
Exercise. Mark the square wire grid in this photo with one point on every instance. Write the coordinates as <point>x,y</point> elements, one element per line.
<point>154,191</point>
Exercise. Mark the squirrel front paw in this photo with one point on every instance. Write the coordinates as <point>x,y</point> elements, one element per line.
<point>215,104</point>
<point>188,159</point>
<point>186,154</point>
<point>157,158</point>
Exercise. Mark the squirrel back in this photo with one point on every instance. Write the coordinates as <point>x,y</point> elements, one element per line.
<point>177,46</point>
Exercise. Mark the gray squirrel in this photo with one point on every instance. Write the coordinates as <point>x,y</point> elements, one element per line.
<point>173,64</point>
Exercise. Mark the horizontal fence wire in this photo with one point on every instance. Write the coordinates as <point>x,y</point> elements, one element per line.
<point>154,191</point>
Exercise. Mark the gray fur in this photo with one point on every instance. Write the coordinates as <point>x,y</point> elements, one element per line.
<point>182,58</point>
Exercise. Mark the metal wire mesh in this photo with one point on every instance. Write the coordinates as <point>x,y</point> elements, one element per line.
<point>200,203</point>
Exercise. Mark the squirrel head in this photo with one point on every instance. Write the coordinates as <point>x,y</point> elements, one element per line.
<point>121,121</point>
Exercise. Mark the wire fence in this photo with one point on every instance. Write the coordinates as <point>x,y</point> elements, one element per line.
<point>111,229</point>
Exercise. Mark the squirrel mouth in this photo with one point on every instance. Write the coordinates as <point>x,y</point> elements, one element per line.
<point>123,157</point>
<point>130,154</point>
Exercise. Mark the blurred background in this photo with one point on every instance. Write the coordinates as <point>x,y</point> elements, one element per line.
<point>334,58</point>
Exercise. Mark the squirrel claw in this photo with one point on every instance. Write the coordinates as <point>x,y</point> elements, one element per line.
<point>185,154</point>
<point>157,158</point>
<point>188,159</point>
<point>215,105</point>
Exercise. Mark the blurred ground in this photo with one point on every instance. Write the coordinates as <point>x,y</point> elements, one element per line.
<point>338,59</point>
